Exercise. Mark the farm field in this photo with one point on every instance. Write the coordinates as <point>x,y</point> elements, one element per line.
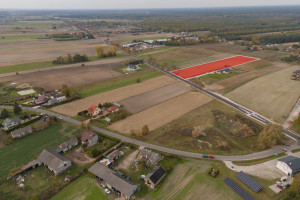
<point>146,100</point>
<point>191,72</point>
<point>55,78</point>
<point>24,150</point>
<point>85,187</point>
<point>221,137</point>
<point>168,111</point>
<point>116,95</point>
<point>181,57</point>
<point>275,91</point>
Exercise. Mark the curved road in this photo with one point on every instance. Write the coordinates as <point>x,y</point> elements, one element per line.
<point>160,148</point>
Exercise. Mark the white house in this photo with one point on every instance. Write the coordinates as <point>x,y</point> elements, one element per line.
<point>290,165</point>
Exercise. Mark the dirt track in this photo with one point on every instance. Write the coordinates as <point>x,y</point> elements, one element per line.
<point>71,109</point>
<point>143,101</point>
<point>75,76</point>
<point>162,114</point>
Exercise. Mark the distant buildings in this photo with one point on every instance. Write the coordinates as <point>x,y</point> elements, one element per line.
<point>10,123</point>
<point>295,75</point>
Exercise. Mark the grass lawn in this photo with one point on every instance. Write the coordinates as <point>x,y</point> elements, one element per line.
<point>44,64</point>
<point>22,151</point>
<point>258,161</point>
<point>83,188</point>
<point>178,133</point>
<point>117,82</point>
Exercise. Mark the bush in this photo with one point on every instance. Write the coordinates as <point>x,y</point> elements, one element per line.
<point>271,136</point>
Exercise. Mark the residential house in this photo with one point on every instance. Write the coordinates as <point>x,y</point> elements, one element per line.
<point>290,165</point>
<point>54,161</point>
<point>150,157</point>
<point>40,99</point>
<point>10,123</point>
<point>132,67</point>
<point>113,109</point>
<point>21,132</point>
<point>116,154</point>
<point>68,145</point>
<point>93,110</point>
<point>154,177</point>
<point>89,138</point>
<point>114,180</point>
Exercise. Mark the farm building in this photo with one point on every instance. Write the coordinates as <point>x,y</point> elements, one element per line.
<point>150,157</point>
<point>67,145</point>
<point>132,67</point>
<point>114,180</point>
<point>290,165</point>
<point>116,154</point>
<point>21,132</point>
<point>40,99</point>
<point>295,75</point>
<point>89,138</point>
<point>154,177</point>
<point>54,161</point>
<point>113,109</point>
<point>93,110</point>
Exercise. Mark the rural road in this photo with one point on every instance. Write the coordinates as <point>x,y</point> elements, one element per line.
<point>262,154</point>
<point>244,110</point>
<point>89,63</point>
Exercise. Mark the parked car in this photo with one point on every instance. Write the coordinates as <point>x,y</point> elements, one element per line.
<point>107,191</point>
<point>208,156</point>
<point>283,179</point>
<point>279,186</point>
<point>232,168</point>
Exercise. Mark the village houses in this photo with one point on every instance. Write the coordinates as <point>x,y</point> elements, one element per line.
<point>89,139</point>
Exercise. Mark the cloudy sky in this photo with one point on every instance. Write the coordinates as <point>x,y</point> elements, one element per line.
<point>127,4</point>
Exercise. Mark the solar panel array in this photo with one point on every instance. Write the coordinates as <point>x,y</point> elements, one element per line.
<point>250,182</point>
<point>238,189</point>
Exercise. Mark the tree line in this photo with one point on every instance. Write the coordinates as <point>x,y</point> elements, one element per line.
<point>102,53</point>
<point>69,59</point>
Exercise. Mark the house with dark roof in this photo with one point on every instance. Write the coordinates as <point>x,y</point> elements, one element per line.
<point>89,138</point>
<point>10,123</point>
<point>150,157</point>
<point>132,67</point>
<point>21,132</point>
<point>68,145</point>
<point>154,177</point>
<point>290,165</point>
<point>40,99</point>
<point>113,180</point>
<point>54,161</point>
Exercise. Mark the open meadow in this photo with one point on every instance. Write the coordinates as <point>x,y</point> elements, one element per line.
<point>273,95</point>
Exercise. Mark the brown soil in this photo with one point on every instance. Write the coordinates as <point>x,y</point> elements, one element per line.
<point>146,100</point>
<point>72,108</point>
<point>79,157</point>
<point>161,114</point>
<point>75,76</point>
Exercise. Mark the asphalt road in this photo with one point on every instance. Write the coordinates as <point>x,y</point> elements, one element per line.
<point>246,111</point>
<point>160,148</point>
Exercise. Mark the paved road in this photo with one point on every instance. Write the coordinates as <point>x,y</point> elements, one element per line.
<point>160,148</point>
<point>246,111</point>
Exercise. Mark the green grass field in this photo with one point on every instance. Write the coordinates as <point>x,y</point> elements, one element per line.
<point>83,188</point>
<point>114,83</point>
<point>24,150</point>
<point>20,38</point>
<point>273,95</point>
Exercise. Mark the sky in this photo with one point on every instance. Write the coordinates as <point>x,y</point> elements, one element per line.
<point>128,4</point>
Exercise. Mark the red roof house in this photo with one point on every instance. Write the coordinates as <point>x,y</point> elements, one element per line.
<point>93,110</point>
<point>113,108</point>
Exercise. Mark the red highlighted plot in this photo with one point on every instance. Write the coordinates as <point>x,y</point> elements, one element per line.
<point>212,66</point>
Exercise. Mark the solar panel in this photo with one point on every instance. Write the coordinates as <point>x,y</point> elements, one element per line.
<point>238,189</point>
<point>250,182</point>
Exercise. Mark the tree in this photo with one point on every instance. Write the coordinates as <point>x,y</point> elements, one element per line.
<point>145,130</point>
<point>100,51</point>
<point>270,136</point>
<point>112,51</point>
<point>17,109</point>
<point>138,80</point>
<point>4,114</point>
